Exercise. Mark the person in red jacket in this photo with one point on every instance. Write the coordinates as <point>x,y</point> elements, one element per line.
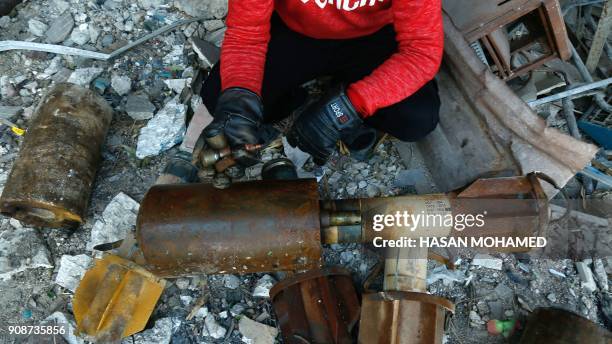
<point>383,55</point>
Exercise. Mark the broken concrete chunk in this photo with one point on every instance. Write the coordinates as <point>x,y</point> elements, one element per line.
<point>60,28</point>
<point>121,84</point>
<point>212,328</point>
<point>84,76</point>
<point>475,319</point>
<point>68,324</point>
<point>487,261</point>
<point>600,273</point>
<point>22,249</point>
<point>71,270</point>
<point>256,333</point>
<point>163,131</point>
<point>177,85</point>
<point>161,333</point>
<point>586,276</point>
<point>448,277</point>
<point>206,9</point>
<point>37,28</point>
<point>216,37</point>
<point>231,281</point>
<point>118,219</point>
<point>263,286</point>
<point>139,107</point>
<point>80,35</point>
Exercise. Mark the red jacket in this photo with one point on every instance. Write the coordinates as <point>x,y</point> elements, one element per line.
<point>418,27</point>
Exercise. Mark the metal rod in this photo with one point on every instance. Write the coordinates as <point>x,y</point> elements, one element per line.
<point>599,176</point>
<point>600,37</point>
<point>569,93</point>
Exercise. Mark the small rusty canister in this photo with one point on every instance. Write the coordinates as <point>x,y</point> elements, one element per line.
<point>396,317</point>
<point>51,181</point>
<point>249,227</point>
<point>318,306</point>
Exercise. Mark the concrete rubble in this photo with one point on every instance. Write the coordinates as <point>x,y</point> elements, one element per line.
<point>118,219</point>
<point>160,333</point>
<point>256,333</point>
<point>163,131</point>
<point>59,318</point>
<point>487,261</point>
<point>212,328</point>
<point>263,286</point>
<point>71,270</point>
<point>139,107</point>
<point>586,276</point>
<point>22,249</point>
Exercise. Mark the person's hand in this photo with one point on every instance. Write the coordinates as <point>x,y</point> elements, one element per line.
<point>323,124</point>
<point>238,115</point>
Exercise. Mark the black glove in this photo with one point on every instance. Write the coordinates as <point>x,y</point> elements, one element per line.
<point>323,124</point>
<point>238,115</point>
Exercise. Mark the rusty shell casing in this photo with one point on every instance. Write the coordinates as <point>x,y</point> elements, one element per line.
<point>558,326</point>
<point>51,181</point>
<point>249,227</point>
<point>403,318</point>
<point>318,306</point>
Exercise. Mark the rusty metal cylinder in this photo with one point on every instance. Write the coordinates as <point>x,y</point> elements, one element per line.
<point>248,227</point>
<point>51,181</point>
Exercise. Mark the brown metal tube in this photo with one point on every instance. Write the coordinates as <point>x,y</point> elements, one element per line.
<point>50,183</point>
<point>249,227</point>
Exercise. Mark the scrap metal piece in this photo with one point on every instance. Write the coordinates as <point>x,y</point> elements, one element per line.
<point>558,326</point>
<point>248,227</point>
<point>318,306</point>
<point>395,317</point>
<point>115,299</point>
<point>571,92</point>
<point>50,183</point>
<point>63,50</point>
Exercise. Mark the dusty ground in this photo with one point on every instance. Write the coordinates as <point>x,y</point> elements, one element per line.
<point>32,295</point>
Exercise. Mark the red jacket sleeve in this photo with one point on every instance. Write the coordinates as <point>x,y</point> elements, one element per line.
<point>245,45</point>
<point>420,36</point>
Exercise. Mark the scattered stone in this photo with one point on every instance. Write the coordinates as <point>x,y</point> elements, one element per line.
<point>263,286</point>
<point>256,333</point>
<point>139,107</point>
<point>372,191</point>
<point>186,300</point>
<point>448,277</point>
<point>177,85</point>
<point>161,333</point>
<point>552,297</point>
<point>118,219</point>
<point>22,249</point>
<point>600,273</point>
<point>557,273</point>
<point>524,267</point>
<point>196,8</point>
<point>182,283</point>
<point>487,261</point>
<point>201,313</point>
<point>163,131</point>
<point>84,76</point>
<point>67,322</point>
<point>586,276</point>
<point>80,35</point>
<point>351,188</point>
<point>237,309</point>
<point>496,309</point>
<point>121,84</point>
<point>107,40</point>
<point>37,28</point>
<point>231,281</point>
<point>8,112</point>
<point>503,291</point>
<point>5,21</point>
<point>212,328</point>
<point>71,270</point>
<point>475,319</point>
<point>61,5</point>
<point>60,28</point>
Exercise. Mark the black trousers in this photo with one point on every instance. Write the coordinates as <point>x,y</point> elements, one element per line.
<point>294,59</point>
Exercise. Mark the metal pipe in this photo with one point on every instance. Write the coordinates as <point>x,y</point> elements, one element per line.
<point>568,93</point>
<point>584,72</point>
<point>50,183</point>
